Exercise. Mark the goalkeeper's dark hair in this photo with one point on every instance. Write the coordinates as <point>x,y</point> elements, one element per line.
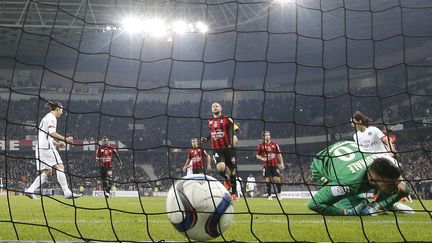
<point>362,118</point>
<point>54,105</point>
<point>385,168</point>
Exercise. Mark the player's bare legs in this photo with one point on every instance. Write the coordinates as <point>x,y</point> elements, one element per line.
<point>222,169</point>
<point>277,181</point>
<point>269,183</point>
<point>232,172</point>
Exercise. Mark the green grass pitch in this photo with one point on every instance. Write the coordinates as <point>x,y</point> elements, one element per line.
<point>256,220</point>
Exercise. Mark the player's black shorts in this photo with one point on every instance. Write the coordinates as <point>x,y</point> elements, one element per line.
<point>226,155</point>
<point>198,170</point>
<point>271,171</point>
<point>105,172</point>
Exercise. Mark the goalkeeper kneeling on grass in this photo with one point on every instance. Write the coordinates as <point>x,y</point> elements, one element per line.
<point>346,174</point>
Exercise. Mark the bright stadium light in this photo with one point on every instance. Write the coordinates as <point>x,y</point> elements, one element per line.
<point>285,1</point>
<point>155,27</point>
<point>179,26</point>
<point>132,24</point>
<point>158,27</point>
<point>203,28</point>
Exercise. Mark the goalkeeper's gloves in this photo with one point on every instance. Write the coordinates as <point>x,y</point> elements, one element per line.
<point>363,209</point>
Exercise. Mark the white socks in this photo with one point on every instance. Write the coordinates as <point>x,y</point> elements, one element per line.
<point>61,178</point>
<point>37,182</point>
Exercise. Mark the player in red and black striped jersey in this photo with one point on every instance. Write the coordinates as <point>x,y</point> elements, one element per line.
<point>195,158</point>
<point>223,137</point>
<point>273,165</point>
<point>104,156</point>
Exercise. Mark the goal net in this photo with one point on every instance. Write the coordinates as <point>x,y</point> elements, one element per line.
<point>144,73</point>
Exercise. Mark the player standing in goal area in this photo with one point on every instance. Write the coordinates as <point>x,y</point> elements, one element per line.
<point>372,140</point>
<point>195,158</point>
<point>269,153</point>
<point>47,156</point>
<point>223,138</point>
<point>104,156</point>
<point>369,138</point>
<point>346,174</point>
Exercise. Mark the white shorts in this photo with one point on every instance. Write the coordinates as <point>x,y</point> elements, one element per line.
<point>47,158</point>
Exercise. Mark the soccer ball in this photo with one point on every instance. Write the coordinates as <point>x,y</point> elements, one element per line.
<point>199,207</point>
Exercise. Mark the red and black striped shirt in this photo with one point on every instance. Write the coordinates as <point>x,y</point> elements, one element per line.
<point>196,156</point>
<point>269,151</point>
<point>220,131</point>
<point>105,156</point>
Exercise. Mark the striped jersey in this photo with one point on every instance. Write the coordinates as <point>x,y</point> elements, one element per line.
<point>269,151</point>
<point>220,131</point>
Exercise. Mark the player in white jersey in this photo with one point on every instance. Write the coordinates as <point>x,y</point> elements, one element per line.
<point>239,183</point>
<point>369,138</point>
<point>47,156</point>
<point>250,185</point>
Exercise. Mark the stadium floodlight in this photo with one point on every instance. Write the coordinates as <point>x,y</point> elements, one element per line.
<point>108,27</point>
<point>203,28</point>
<point>179,26</point>
<point>156,27</point>
<point>132,24</point>
<point>285,1</point>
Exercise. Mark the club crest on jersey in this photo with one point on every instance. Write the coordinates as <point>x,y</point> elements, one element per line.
<point>340,190</point>
<point>370,133</point>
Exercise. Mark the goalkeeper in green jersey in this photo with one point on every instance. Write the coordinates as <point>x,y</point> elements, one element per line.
<point>346,173</point>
